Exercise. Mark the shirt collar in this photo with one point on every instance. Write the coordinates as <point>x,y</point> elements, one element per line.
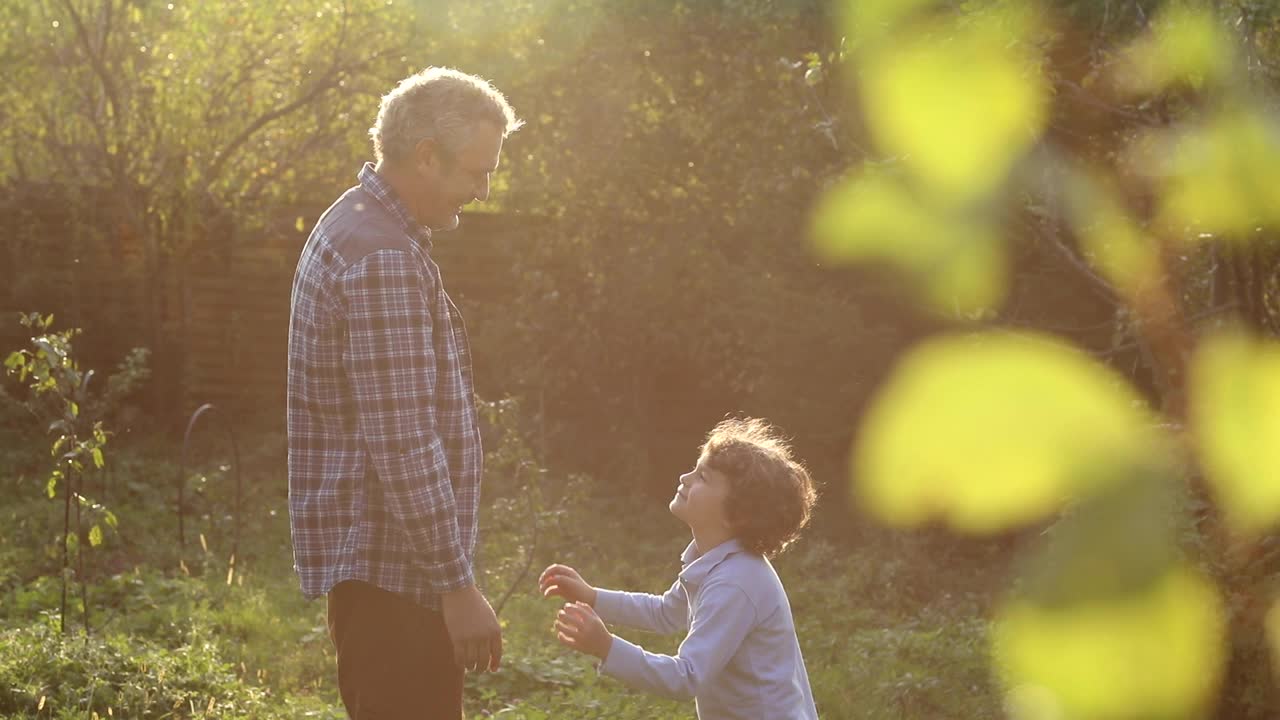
<point>381,190</point>
<point>697,567</point>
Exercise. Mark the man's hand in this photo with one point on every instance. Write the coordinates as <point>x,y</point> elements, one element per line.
<point>473,629</point>
<point>565,582</point>
<point>579,627</point>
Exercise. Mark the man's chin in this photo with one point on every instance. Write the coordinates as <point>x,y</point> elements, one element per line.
<point>450,224</point>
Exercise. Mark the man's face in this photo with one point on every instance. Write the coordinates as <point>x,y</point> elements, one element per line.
<point>450,181</point>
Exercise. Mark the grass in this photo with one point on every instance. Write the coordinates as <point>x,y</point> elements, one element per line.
<point>886,631</point>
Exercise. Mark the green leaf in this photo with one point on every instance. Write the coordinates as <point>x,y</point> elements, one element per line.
<point>956,260</point>
<point>74,407</point>
<point>110,519</point>
<point>51,487</point>
<point>95,536</point>
<point>958,104</point>
<point>98,460</point>
<point>1116,542</point>
<point>16,359</point>
<point>1156,653</point>
<point>990,431</point>
<point>1235,414</point>
<point>57,445</point>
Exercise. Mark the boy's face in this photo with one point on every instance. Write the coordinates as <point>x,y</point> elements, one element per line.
<point>699,499</point>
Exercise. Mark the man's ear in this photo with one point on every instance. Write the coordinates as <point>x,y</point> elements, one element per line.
<point>427,155</point>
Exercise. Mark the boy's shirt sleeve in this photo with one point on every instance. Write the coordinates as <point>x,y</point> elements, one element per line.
<point>725,617</point>
<point>666,614</point>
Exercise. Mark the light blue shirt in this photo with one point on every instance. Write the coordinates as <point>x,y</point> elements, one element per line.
<point>741,659</point>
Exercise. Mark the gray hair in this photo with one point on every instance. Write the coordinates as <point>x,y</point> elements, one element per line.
<point>438,103</point>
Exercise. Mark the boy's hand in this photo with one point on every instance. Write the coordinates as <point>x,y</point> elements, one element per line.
<point>565,582</point>
<point>579,627</point>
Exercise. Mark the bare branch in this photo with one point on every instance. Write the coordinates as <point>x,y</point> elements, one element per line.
<point>329,82</point>
<point>1097,284</point>
<point>104,77</point>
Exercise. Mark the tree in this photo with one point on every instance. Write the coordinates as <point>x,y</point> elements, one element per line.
<point>158,123</point>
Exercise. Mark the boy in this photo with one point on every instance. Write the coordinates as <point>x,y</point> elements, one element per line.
<point>745,501</point>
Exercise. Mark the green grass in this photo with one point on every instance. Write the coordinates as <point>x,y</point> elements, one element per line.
<point>885,633</point>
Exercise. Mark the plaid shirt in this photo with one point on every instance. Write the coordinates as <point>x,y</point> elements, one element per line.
<point>384,446</point>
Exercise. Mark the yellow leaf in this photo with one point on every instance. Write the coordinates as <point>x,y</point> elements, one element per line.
<point>869,19</point>
<point>1186,44</point>
<point>301,224</point>
<point>1222,177</point>
<point>1158,652</point>
<point>1113,242</point>
<point>990,431</point>
<point>960,104</point>
<point>1235,414</point>
<point>958,262</point>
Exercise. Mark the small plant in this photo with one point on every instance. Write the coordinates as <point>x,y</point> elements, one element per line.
<point>59,394</point>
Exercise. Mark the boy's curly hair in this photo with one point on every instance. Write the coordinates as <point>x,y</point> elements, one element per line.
<point>771,495</point>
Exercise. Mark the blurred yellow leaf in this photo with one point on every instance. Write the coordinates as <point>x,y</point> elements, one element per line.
<point>1186,44</point>
<point>958,262</point>
<point>1154,653</point>
<point>989,431</point>
<point>1221,177</point>
<point>870,18</point>
<point>1235,412</point>
<point>1112,241</point>
<point>300,224</point>
<point>960,107</point>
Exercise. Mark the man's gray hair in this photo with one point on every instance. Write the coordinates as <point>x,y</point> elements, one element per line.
<point>438,103</point>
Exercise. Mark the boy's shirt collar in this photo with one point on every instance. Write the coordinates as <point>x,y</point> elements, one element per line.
<point>697,567</point>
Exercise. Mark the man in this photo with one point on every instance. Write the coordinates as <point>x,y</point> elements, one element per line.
<point>384,446</point>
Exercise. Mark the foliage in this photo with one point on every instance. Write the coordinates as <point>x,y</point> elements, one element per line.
<point>666,171</point>
<point>184,126</point>
<point>59,388</point>
<point>883,639</point>
<point>1112,618</point>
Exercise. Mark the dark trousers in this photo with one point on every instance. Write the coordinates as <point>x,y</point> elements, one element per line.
<point>395,661</point>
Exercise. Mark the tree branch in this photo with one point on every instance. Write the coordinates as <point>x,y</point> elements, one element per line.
<point>96,62</point>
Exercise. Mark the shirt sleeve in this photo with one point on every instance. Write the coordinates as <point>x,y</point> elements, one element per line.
<point>723,619</point>
<point>391,364</point>
<point>666,614</point>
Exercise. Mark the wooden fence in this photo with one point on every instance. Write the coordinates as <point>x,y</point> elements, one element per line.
<point>224,315</point>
